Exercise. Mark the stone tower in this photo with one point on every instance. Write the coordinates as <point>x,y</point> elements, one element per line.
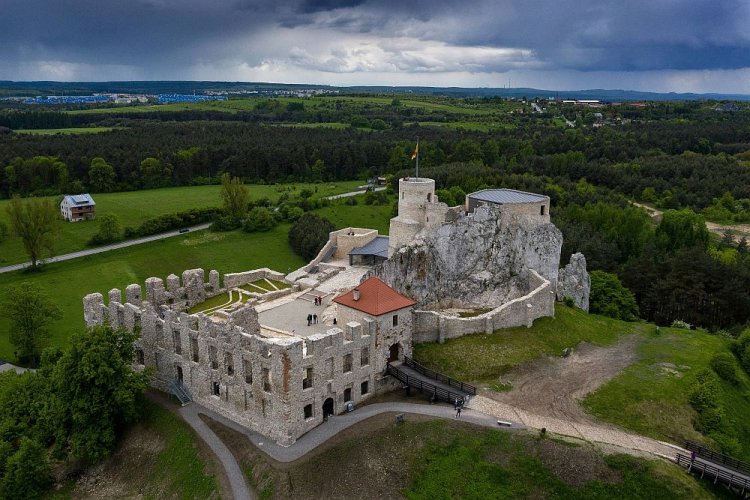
<point>418,209</point>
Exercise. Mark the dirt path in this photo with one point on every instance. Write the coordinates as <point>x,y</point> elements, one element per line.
<point>554,386</point>
<point>742,229</point>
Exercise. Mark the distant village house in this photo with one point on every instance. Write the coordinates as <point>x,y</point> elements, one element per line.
<point>78,207</point>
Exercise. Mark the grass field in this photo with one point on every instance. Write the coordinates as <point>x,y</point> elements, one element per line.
<point>52,131</point>
<point>651,396</point>
<point>234,105</point>
<point>483,358</point>
<point>134,206</point>
<point>69,281</point>
<point>438,459</point>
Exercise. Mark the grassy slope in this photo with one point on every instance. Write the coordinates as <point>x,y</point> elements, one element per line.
<point>69,281</point>
<point>651,396</point>
<point>134,206</point>
<point>174,471</point>
<point>438,459</point>
<point>482,358</point>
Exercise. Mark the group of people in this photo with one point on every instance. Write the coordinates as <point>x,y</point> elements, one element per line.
<point>312,319</point>
<point>318,300</point>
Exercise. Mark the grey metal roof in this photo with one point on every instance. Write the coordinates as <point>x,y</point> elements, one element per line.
<point>80,200</point>
<point>378,246</point>
<point>507,196</point>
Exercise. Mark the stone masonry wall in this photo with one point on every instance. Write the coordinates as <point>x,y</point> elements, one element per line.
<point>433,326</point>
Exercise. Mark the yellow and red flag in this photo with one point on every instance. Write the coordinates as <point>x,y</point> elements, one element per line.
<point>416,152</point>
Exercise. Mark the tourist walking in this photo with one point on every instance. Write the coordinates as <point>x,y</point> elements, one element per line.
<point>458,411</point>
<point>309,319</point>
<point>315,319</point>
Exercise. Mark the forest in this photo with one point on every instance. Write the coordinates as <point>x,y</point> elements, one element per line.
<point>689,159</point>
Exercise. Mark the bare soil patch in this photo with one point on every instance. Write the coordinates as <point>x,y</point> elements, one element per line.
<point>553,386</point>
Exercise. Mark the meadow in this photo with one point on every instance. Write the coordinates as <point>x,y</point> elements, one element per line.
<point>134,206</point>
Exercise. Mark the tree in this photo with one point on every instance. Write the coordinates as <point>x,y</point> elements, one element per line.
<point>36,223</point>
<point>3,231</point>
<point>235,195</point>
<point>258,219</point>
<point>110,229</point>
<point>610,298</point>
<point>96,391</point>
<point>101,175</point>
<point>153,173</point>
<point>309,234</point>
<point>31,312</point>
<point>681,228</point>
<point>27,472</point>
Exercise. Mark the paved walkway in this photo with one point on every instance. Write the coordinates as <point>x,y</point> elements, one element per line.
<point>105,248</point>
<point>237,480</point>
<point>354,193</point>
<point>587,432</point>
<point>292,317</point>
<point>338,423</point>
<point>6,367</point>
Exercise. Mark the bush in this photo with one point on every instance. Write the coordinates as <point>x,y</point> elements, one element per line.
<point>723,364</point>
<point>27,472</point>
<point>309,234</point>
<point>109,231</point>
<point>350,200</point>
<point>684,325</point>
<point>225,223</point>
<point>177,220</point>
<point>258,219</point>
<point>610,298</point>
<point>707,392</point>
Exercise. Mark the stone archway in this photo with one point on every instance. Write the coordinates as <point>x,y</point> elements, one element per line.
<point>395,352</point>
<point>327,407</point>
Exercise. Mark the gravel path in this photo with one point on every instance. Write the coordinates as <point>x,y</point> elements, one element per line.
<point>240,488</point>
<point>105,248</point>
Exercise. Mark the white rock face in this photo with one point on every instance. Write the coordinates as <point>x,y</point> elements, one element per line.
<point>574,282</point>
<point>478,260</point>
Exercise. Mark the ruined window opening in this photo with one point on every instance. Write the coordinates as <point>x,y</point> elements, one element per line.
<point>348,334</point>
<point>543,209</point>
<point>137,321</point>
<point>247,367</point>
<point>347,363</point>
<point>364,356</point>
<point>395,320</point>
<point>194,346</point>
<point>177,339</point>
<point>229,363</point>
<point>402,195</point>
<point>157,357</point>
<point>212,355</point>
<point>329,369</point>
<point>159,331</point>
<point>266,380</point>
<point>140,358</point>
<point>195,327</point>
<point>307,381</point>
<point>328,341</point>
<point>263,407</point>
<point>364,388</point>
<point>429,197</point>
<point>347,394</point>
<point>216,390</point>
<point>308,411</point>
<point>428,219</point>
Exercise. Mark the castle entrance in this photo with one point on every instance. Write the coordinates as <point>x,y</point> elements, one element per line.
<point>394,352</point>
<point>327,407</point>
<point>179,374</point>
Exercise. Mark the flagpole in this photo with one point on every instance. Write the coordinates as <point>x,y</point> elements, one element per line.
<point>417,158</point>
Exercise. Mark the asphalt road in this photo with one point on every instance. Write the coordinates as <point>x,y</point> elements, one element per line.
<point>105,248</point>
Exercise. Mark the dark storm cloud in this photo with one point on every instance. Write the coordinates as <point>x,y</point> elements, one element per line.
<point>162,37</point>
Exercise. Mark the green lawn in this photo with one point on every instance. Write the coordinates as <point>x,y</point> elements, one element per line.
<point>361,215</point>
<point>483,358</point>
<point>134,206</point>
<point>52,131</point>
<point>651,396</point>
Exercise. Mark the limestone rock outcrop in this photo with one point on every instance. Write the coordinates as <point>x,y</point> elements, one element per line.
<point>477,260</point>
<point>573,281</point>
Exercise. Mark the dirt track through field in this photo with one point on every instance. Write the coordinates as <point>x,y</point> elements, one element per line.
<point>554,386</point>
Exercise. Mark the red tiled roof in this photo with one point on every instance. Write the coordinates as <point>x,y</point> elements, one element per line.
<point>375,298</point>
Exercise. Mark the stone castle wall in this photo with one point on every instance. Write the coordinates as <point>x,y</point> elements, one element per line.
<point>434,326</point>
<point>259,380</point>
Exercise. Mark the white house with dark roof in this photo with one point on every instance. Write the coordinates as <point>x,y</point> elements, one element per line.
<point>78,207</point>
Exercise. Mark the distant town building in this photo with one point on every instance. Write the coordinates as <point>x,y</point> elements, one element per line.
<point>78,207</point>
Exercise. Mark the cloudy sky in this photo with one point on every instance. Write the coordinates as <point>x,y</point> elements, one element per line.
<point>657,45</point>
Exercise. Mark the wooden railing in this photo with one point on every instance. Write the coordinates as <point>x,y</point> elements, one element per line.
<point>438,393</point>
<point>718,458</point>
<point>708,471</point>
<point>466,388</point>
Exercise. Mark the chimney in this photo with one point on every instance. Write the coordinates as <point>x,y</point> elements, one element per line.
<point>356,294</point>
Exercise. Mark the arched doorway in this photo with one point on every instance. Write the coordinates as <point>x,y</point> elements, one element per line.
<point>327,407</point>
<point>394,352</point>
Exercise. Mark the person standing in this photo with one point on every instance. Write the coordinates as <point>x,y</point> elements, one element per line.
<point>458,411</point>
<point>309,319</point>
<point>315,319</point>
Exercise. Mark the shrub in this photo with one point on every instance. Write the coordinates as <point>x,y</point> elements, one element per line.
<point>570,302</point>
<point>109,231</point>
<point>351,200</point>
<point>177,220</point>
<point>723,364</point>
<point>684,325</point>
<point>309,234</point>
<point>610,298</point>
<point>27,472</point>
<point>226,223</point>
<point>706,392</point>
<point>258,219</point>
